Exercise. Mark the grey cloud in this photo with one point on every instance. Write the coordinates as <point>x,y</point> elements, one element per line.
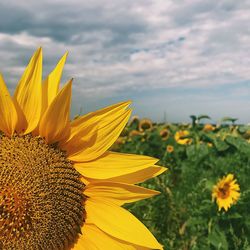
<point>62,22</point>
<point>13,19</point>
<point>187,12</point>
<point>127,46</point>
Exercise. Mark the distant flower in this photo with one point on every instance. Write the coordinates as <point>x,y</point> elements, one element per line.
<point>120,140</point>
<point>134,122</point>
<point>164,134</point>
<point>118,143</point>
<point>180,137</point>
<point>134,132</point>
<point>145,124</point>
<point>226,192</point>
<point>170,149</point>
<point>208,127</point>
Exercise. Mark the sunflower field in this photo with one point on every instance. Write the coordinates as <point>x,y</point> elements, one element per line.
<point>205,194</point>
<point>61,189</point>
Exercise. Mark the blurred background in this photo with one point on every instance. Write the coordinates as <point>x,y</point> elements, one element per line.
<point>171,58</point>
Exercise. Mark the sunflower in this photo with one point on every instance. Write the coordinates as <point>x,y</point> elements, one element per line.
<point>164,133</point>
<point>60,187</point>
<point>145,124</point>
<point>120,140</point>
<point>208,127</point>
<point>134,133</point>
<point>134,122</point>
<point>226,192</point>
<point>170,149</point>
<point>181,137</point>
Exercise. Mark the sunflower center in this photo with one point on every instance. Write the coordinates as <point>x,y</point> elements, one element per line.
<point>164,134</point>
<point>224,191</point>
<point>41,196</point>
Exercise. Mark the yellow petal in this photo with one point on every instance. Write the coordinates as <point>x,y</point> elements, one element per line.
<point>28,93</point>
<point>55,122</point>
<point>97,239</point>
<point>229,178</point>
<point>85,243</point>
<point>84,180</point>
<point>81,124</point>
<point>51,84</point>
<point>118,193</point>
<point>119,223</point>
<point>22,123</point>
<point>112,164</point>
<point>8,112</point>
<point>84,129</point>
<point>94,141</point>
<point>133,178</point>
<point>105,242</point>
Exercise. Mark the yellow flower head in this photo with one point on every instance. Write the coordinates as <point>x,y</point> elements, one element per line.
<point>60,186</point>
<point>134,132</point>
<point>180,137</point>
<point>145,124</point>
<point>170,149</point>
<point>208,127</point>
<point>226,192</point>
<point>134,120</point>
<point>164,134</point>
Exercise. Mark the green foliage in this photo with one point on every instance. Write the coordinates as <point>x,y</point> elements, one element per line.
<point>229,119</point>
<point>184,216</point>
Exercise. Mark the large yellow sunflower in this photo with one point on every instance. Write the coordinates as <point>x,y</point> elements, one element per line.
<point>226,192</point>
<point>60,187</point>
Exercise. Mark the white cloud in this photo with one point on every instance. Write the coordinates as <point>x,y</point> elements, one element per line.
<point>118,46</point>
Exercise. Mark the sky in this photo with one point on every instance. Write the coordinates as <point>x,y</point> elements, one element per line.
<point>173,59</point>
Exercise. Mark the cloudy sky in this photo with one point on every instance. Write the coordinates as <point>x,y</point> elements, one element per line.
<point>171,58</point>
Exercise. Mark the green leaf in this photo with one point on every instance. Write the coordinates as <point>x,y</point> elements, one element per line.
<point>229,119</point>
<point>196,153</point>
<point>239,143</point>
<point>220,145</point>
<point>243,129</point>
<point>193,117</point>
<point>200,117</point>
<point>218,239</point>
<point>235,216</point>
<point>209,185</point>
